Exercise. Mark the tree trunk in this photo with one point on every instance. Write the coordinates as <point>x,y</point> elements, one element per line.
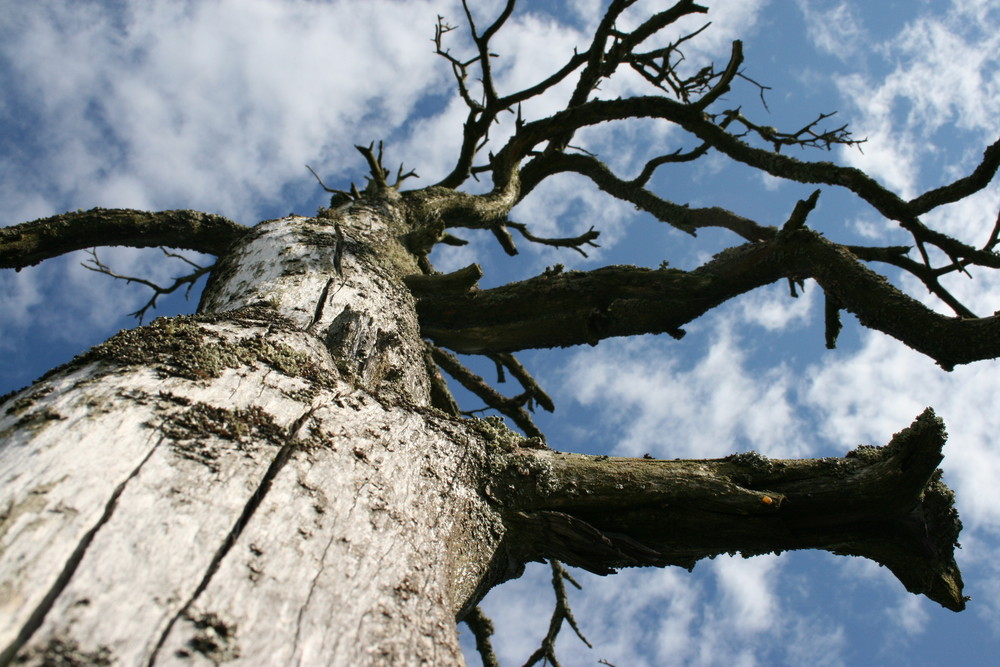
<point>226,487</point>
<point>270,482</point>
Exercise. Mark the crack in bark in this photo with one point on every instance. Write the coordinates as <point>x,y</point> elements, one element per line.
<point>279,461</point>
<point>312,588</point>
<point>321,304</point>
<point>37,617</point>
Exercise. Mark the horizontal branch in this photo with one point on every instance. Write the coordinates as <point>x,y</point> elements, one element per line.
<point>29,243</point>
<point>573,308</point>
<point>883,503</point>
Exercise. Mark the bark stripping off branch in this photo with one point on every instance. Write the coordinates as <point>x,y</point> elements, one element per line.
<point>884,503</point>
<point>29,243</point>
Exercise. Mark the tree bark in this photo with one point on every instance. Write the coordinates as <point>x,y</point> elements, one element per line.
<point>263,483</point>
<point>270,482</point>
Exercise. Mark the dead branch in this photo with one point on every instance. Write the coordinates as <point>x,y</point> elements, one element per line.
<point>883,503</point>
<point>462,280</point>
<point>562,613</point>
<point>980,177</point>
<point>806,137</point>
<point>482,629</point>
<point>511,407</point>
<point>681,217</point>
<point>574,242</point>
<point>528,383</point>
<point>572,308</point>
<point>29,243</point>
<point>95,264</point>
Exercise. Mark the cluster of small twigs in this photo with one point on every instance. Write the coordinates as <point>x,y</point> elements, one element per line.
<point>377,178</point>
<point>810,136</point>
<point>95,264</point>
<point>482,627</point>
<point>547,141</point>
<point>544,143</point>
<point>518,408</point>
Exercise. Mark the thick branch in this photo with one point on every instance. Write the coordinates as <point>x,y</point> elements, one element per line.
<point>575,307</point>
<point>29,243</point>
<point>887,504</point>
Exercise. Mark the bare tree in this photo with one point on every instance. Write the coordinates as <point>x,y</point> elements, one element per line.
<point>284,476</point>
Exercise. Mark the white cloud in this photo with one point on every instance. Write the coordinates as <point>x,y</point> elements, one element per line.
<point>942,73</point>
<point>773,309</point>
<point>910,615</point>
<point>834,29</point>
<point>747,589</point>
<point>215,105</point>
<point>713,408</point>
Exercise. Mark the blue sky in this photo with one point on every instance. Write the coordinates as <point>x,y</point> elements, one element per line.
<point>218,106</point>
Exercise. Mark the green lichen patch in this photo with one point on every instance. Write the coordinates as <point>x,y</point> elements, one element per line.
<point>181,347</point>
<point>214,638</point>
<point>65,653</point>
<point>938,508</point>
<point>866,453</point>
<point>752,461</point>
<point>494,430</point>
<point>192,430</point>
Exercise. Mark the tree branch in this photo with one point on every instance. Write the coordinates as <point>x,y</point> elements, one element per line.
<point>887,504</point>
<point>561,613</point>
<point>29,243</point>
<point>482,629</point>
<point>963,187</point>
<point>511,407</point>
<point>572,308</point>
<point>574,242</point>
<point>680,217</point>
<point>95,264</point>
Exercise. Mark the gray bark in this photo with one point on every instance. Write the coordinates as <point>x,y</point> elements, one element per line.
<point>228,488</point>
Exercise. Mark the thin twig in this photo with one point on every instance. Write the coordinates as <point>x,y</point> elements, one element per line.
<point>561,613</point>
<point>96,265</point>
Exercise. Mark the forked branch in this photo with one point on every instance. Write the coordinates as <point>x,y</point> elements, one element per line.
<point>517,408</point>
<point>95,264</point>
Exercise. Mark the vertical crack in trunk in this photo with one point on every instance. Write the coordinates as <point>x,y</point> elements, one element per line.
<point>320,305</point>
<point>72,563</point>
<point>279,461</point>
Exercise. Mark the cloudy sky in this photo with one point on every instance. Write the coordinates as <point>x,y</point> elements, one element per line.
<point>218,105</point>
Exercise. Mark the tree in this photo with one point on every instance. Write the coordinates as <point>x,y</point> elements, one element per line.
<point>311,367</point>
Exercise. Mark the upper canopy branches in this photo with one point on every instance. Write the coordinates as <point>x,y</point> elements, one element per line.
<point>687,96</point>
